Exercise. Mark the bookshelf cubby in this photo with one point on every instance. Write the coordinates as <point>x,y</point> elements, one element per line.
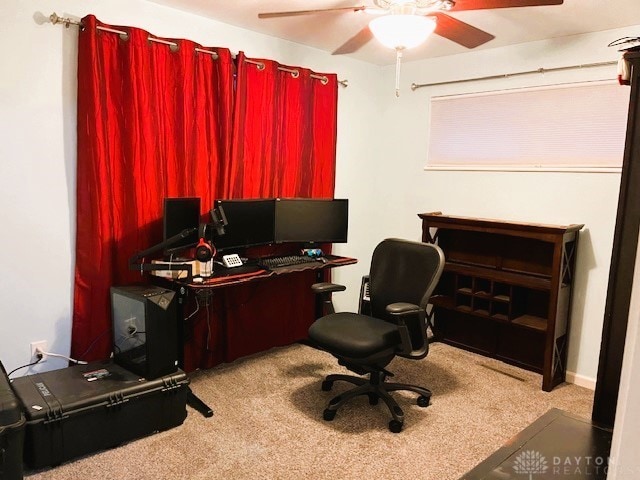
<point>505,291</point>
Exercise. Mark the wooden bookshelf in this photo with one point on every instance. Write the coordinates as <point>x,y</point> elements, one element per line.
<point>505,291</point>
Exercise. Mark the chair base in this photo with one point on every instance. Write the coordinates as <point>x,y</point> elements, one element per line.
<point>375,388</point>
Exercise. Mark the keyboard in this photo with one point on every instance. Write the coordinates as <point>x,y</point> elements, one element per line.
<point>285,261</point>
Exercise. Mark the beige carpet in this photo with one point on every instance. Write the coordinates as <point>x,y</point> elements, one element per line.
<point>268,423</point>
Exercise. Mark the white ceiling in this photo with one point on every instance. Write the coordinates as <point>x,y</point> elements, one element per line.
<point>327,31</point>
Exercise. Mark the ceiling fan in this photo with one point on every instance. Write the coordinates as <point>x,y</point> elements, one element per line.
<point>445,25</point>
<point>402,24</point>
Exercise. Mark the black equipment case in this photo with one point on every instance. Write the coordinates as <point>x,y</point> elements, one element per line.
<point>11,431</point>
<point>85,408</point>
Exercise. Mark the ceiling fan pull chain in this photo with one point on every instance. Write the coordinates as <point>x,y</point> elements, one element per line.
<point>398,61</point>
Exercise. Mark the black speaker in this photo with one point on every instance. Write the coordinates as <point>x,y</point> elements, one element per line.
<point>145,329</point>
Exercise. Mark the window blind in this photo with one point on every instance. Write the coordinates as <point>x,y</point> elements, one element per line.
<point>566,127</point>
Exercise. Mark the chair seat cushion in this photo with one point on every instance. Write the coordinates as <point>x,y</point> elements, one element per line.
<point>353,335</point>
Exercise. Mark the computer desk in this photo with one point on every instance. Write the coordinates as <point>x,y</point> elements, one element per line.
<point>228,279</point>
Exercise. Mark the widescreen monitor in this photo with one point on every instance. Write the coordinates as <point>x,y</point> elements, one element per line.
<point>250,222</point>
<point>180,214</point>
<point>311,220</point>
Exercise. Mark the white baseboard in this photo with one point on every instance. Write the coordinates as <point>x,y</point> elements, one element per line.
<point>581,380</point>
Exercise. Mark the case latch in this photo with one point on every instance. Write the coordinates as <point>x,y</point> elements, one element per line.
<point>54,414</point>
<point>116,399</point>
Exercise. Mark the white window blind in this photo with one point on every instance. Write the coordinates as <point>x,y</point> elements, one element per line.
<point>565,127</point>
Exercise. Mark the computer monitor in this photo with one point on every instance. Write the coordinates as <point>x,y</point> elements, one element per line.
<point>250,222</point>
<point>311,220</point>
<point>179,214</point>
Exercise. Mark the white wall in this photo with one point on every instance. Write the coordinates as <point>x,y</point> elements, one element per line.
<point>38,153</point>
<point>557,198</point>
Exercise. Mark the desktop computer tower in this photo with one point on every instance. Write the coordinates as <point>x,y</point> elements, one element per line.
<point>145,329</point>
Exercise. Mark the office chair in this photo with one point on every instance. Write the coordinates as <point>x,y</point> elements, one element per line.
<point>402,277</point>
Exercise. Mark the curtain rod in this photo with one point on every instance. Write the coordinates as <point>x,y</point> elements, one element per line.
<point>55,19</point>
<point>415,86</point>
<point>296,73</point>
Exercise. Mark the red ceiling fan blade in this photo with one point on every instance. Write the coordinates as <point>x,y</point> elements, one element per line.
<point>310,12</point>
<point>355,42</point>
<point>460,32</point>
<point>461,5</point>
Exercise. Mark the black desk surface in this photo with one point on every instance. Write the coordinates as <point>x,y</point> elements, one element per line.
<point>248,273</point>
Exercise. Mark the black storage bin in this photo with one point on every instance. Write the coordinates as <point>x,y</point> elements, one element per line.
<point>85,408</point>
<point>11,431</point>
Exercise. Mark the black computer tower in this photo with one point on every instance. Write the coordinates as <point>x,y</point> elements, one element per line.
<point>145,329</point>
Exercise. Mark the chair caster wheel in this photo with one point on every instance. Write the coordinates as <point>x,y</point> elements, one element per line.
<point>327,385</point>
<point>423,401</point>
<point>373,399</point>
<point>395,426</point>
<point>329,415</point>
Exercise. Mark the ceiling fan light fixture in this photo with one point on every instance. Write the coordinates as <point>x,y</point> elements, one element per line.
<point>402,31</point>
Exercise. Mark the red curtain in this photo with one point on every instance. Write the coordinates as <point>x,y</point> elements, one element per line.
<point>285,124</point>
<point>154,121</point>
<point>284,132</point>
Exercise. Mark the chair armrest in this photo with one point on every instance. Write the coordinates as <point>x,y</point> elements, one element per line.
<point>398,311</point>
<point>323,291</point>
<point>326,287</point>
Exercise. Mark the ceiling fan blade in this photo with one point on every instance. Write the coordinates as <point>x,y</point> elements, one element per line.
<point>355,42</point>
<point>461,5</point>
<point>295,13</point>
<point>460,32</point>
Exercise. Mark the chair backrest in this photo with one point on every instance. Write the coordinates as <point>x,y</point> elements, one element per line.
<point>405,271</point>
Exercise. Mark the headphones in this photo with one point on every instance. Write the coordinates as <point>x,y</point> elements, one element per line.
<point>204,250</point>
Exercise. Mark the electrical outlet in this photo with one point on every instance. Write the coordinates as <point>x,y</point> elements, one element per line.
<point>38,346</point>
